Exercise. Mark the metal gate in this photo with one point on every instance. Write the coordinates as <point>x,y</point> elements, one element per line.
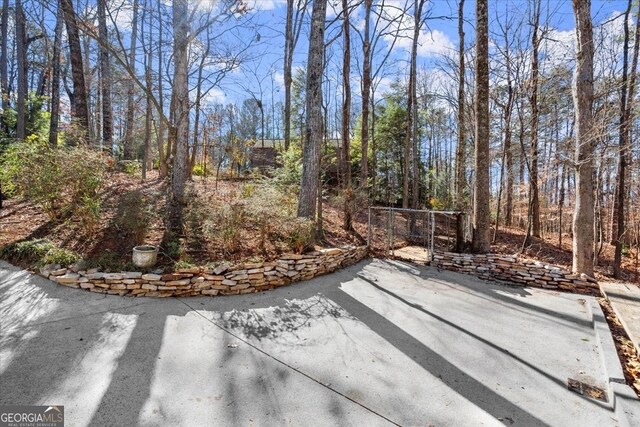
<point>389,229</point>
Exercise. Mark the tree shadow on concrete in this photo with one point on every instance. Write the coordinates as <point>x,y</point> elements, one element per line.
<point>286,318</point>
<point>499,293</point>
<point>436,364</point>
<point>130,384</point>
<point>486,342</point>
<point>508,295</point>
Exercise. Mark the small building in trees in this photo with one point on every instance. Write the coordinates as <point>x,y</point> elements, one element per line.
<point>264,156</point>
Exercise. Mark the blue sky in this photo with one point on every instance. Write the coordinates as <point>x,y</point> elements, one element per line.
<point>438,38</point>
<point>264,68</point>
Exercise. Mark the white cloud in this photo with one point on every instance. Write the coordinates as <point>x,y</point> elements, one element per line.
<point>558,48</point>
<point>333,7</point>
<point>383,84</point>
<point>430,42</point>
<point>278,78</point>
<point>433,43</point>
<point>214,96</point>
<point>121,14</point>
<point>260,5</point>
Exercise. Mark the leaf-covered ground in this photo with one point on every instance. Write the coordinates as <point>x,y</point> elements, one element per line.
<point>627,353</point>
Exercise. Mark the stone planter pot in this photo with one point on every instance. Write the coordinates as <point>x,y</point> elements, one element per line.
<point>145,256</point>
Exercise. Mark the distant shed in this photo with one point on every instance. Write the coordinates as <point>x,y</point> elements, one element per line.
<point>263,156</point>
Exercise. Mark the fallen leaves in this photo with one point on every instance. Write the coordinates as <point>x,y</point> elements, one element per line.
<point>627,354</point>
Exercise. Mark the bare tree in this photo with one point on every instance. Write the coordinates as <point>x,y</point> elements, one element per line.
<point>374,39</point>
<point>460,148</point>
<point>147,78</point>
<point>412,105</point>
<point>179,130</point>
<point>506,53</point>
<point>4,81</point>
<point>163,167</point>
<point>293,26</point>
<point>366,94</point>
<point>482,194</point>
<point>21,56</point>
<point>314,125</point>
<point>105,79</point>
<point>534,198</point>
<point>55,81</point>
<point>80,107</point>
<point>583,215</point>
<point>346,117</point>
<point>198,102</point>
<point>627,90</point>
<point>129,120</point>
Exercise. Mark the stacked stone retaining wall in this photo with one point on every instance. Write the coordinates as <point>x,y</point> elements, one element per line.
<point>224,279</point>
<point>512,269</point>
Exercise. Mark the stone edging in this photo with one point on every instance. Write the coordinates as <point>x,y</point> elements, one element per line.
<point>512,269</point>
<point>225,279</point>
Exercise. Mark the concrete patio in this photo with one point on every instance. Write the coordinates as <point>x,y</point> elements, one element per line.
<point>379,343</point>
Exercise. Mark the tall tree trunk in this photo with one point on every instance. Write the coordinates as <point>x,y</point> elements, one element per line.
<point>129,120</point>
<point>374,147</point>
<point>196,123</point>
<point>179,131</point>
<point>163,169</point>
<point>80,108</point>
<point>534,203</point>
<point>563,178</point>
<point>482,194</point>
<point>460,148</point>
<point>626,101</point>
<point>105,72</point>
<point>149,87</point>
<point>4,81</point>
<point>293,26</point>
<point>314,126</point>
<point>365,93</point>
<point>499,200</point>
<point>288,61</point>
<point>412,130</point>
<point>584,144</point>
<point>618,199</point>
<point>55,82</point>
<point>508,151</point>
<point>21,62</point>
<point>346,118</point>
<point>411,93</point>
<point>415,160</point>
<point>88,84</point>
<point>147,123</point>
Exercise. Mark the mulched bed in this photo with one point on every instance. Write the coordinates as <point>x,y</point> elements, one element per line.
<point>629,358</point>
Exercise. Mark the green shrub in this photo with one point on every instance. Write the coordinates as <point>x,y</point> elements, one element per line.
<point>37,253</point>
<point>173,249</point>
<point>133,216</point>
<point>60,256</point>
<point>265,210</point>
<point>130,167</point>
<point>110,262</point>
<point>199,170</point>
<point>230,221</point>
<point>299,234</point>
<point>248,190</point>
<point>28,251</point>
<point>290,174</point>
<point>62,181</point>
<point>183,264</point>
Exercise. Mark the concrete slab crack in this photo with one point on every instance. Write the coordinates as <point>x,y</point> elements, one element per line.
<point>282,362</point>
